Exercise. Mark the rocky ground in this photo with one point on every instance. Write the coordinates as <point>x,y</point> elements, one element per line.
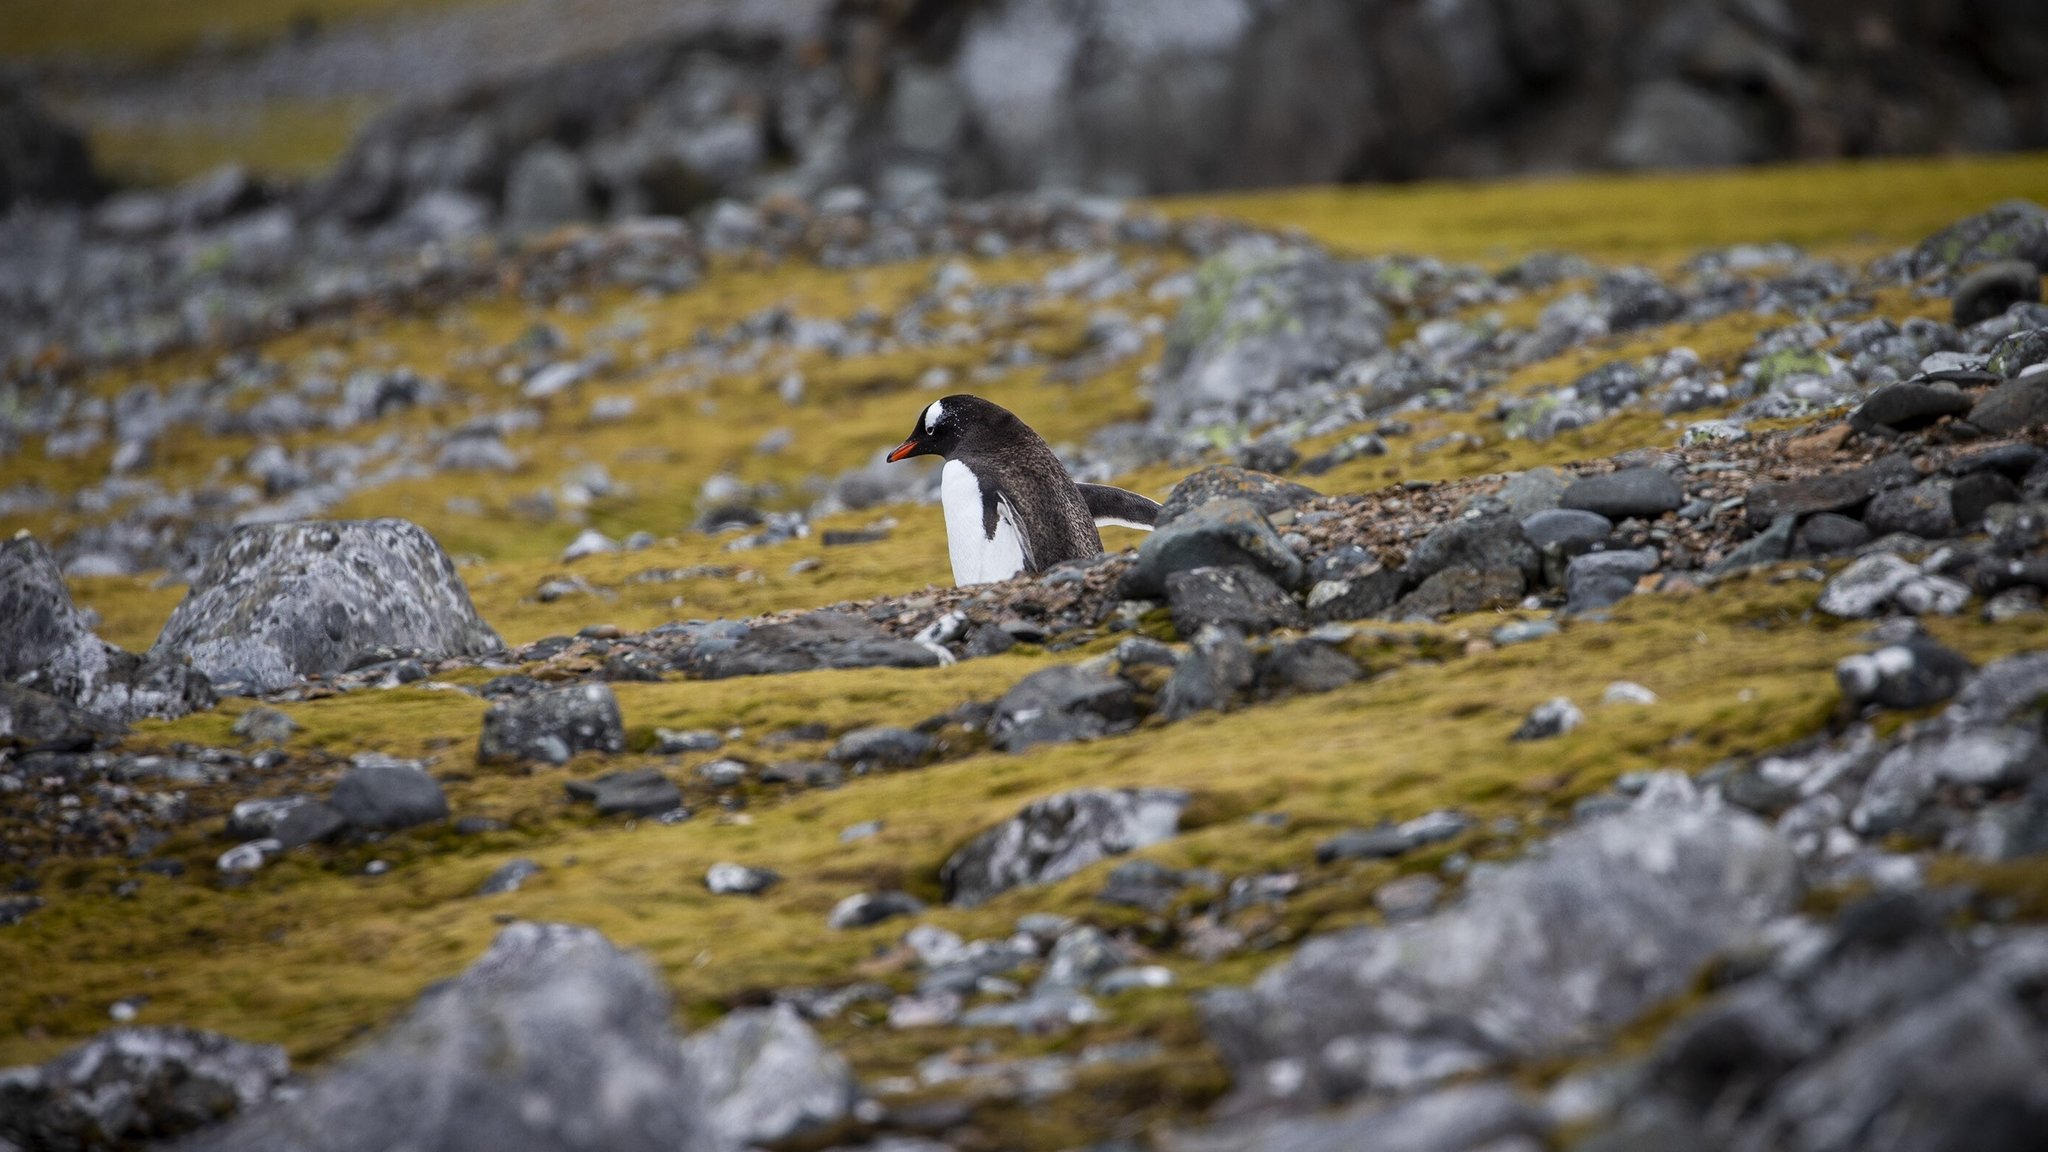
<point>496,688</point>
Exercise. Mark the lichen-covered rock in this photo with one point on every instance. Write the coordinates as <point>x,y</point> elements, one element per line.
<point>767,1076</point>
<point>281,601</point>
<point>552,726</point>
<point>1218,668</point>
<point>34,722</point>
<point>47,645</point>
<point>554,1039</point>
<point>1263,320</point>
<point>1543,954</point>
<point>2014,230</point>
<point>1058,836</point>
<point>128,1087</point>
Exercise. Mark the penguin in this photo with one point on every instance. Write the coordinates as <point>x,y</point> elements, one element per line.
<point>1010,506</point>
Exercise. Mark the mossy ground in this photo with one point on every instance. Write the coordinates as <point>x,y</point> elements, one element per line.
<point>313,953</point>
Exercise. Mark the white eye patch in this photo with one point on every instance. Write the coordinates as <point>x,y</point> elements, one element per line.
<point>932,415</point>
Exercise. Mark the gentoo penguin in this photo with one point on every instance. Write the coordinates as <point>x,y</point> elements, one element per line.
<point>1010,505</point>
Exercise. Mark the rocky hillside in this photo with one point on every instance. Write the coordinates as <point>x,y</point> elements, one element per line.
<point>1585,691</point>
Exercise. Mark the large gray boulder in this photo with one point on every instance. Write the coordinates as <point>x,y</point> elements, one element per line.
<point>1553,951</point>
<point>554,1040</point>
<point>1058,836</point>
<point>281,601</point>
<point>767,1076</point>
<point>131,1086</point>
<point>1263,320</point>
<point>46,644</point>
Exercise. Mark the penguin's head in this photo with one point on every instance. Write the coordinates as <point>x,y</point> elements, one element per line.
<point>947,423</point>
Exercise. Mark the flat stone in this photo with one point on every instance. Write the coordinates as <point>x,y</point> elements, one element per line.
<point>1601,579</point>
<point>1909,405</point>
<point>1830,492</point>
<point>638,792</point>
<point>728,879</point>
<point>1458,591</point>
<point>1644,493</point>
<point>1266,492</point>
<point>882,746</point>
<point>381,795</point>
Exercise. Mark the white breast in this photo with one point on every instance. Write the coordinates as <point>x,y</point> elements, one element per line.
<point>977,558</point>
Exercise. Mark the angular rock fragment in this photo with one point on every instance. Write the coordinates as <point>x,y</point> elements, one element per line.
<point>1058,836</point>
<point>813,640</point>
<point>1059,705</point>
<point>552,726</point>
<point>1268,493</point>
<point>552,1039</point>
<point>380,794</point>
<point>767,1077</point>
<point>1219,534</point>
<point>639,792</point>
<point>130,1086</point>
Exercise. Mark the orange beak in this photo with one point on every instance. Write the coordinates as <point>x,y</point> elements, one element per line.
<point>907,448</point>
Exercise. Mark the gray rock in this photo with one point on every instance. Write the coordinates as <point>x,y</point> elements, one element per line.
<point>1909,405</point>
<point>1631,492</point>
<point>884,747</point>
<point>863,909</point>
<point>1602,579</point>
<point>675,742</point>
<point>132,1086</point>
<point>1766,547</point>
<point>1263,321</point>
<point>1061,704</point>
<point>1669,123</point>
<point>729,879</point>
<point>1479,1117</point>
<point>1494,543</point>
<point>1382,843</point>
<point>1218,534</point>
<point>1971,496</point>
<point>265,726</point>
<point>1622,911</point>
<point>2014,230</point>
<point>383,795</point>
<point>552,726</point>
<point>479,451</point>
<point>1865,588</point>
<point>554,1039</point>
<point>1907,777</point>
<point>509,877</point>
<point>1828,492</point>
<point>1269,494</point>
<point>34,722</point>
<point>1923,510</point>
<point>1239,599</point>
<point>814,640</point>
<point>281,601</point>
<point>767,1077</point>
<point>2013,406</point>
<point>1054,838</point>
<point>1961,1067</point>
<point>1915,674</point>
<point>1355,595</point>
<point>2018,352</point>
<point>1535,491</point>
<point>1990,290</point>
<point>47,645</point>
<point>1829,534</point>
<point>546,187</point>
<point>1458,591</point>
<point>1569,531</point>
<point>636,792</point>
<point>289,820</point>
<point>1218,668</point>
<point>1553,717</point>
<point>1306,665</point>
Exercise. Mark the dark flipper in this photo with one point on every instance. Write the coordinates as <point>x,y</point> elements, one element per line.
<point>1116,506</point>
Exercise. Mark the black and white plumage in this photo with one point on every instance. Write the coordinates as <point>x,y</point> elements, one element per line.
<point>1010,506</point>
